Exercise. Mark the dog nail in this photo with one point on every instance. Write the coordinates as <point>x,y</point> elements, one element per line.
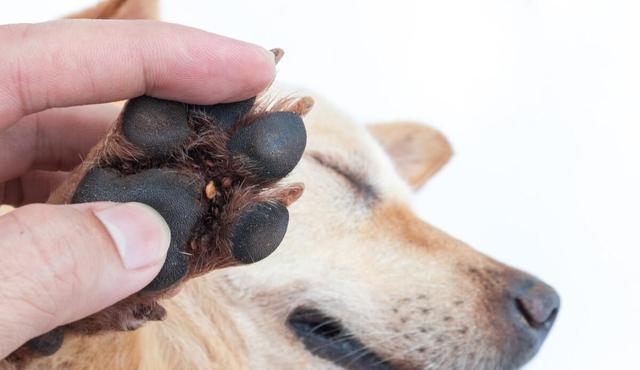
<point>277,54</point>
<point>291,194</point>
<point>303,105</point>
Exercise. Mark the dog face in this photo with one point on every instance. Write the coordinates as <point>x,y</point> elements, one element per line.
<point>360,282</point>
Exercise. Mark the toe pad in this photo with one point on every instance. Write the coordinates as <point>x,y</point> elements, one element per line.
<point>158,127</point>
<point>259,231</point>
<point>275,142</point>
<point>176,196</point>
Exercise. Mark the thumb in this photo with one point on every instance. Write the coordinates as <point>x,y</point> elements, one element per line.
<point>61,263</point>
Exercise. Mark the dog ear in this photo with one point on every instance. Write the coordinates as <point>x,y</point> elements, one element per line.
<point>121,9</point>
<point>418,151</point>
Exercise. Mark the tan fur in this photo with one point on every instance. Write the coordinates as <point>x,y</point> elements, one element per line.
<point>417,151</point>
<point>411,292</point>
<point>394,280</point>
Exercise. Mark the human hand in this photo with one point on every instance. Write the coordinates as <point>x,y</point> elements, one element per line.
<point>63,262</point>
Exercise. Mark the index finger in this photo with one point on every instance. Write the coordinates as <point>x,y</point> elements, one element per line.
<point>74,62</point>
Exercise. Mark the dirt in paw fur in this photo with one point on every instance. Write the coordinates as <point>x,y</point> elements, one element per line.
<point>212,172</point>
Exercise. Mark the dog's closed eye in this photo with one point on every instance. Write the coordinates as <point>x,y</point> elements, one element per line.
<point>358,181</point>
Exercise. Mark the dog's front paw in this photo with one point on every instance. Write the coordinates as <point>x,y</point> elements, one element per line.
<point>212,172</point>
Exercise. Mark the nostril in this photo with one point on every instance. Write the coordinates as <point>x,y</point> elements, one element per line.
<point>538,304</point>
<point>534,320</point>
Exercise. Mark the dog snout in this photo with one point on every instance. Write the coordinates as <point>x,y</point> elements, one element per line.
<point>536,304</point>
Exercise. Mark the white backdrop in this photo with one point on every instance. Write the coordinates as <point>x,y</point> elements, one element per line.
<point>540,99</point>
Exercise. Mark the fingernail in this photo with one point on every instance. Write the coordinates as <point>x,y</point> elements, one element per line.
<point>277,54</point>
<point>140,234</point>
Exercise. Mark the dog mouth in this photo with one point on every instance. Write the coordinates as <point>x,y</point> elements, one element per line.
<point>324,336</point>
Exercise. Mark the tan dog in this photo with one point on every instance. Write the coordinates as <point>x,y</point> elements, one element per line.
<point>359,282</point>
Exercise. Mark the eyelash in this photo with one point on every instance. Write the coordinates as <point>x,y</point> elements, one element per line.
<point>360,184</point>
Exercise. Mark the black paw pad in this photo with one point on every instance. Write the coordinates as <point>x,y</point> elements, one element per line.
<point>226,114</point>
<point>258,231</point>
<point>48,343</point>
<point>275,142</point>
<point>176,196</point>
<point>158,127</point>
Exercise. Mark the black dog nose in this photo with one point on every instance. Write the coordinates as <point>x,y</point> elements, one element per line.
<point>536,303</point>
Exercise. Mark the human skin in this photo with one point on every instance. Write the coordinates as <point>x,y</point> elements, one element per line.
<point>53,81</point>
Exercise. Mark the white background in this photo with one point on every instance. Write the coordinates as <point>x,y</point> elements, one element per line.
<point>540,99</point>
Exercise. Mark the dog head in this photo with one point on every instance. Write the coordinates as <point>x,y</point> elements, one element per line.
<point>360,282</point>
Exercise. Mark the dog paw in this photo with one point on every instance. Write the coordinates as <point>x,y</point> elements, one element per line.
<point>213,172</point>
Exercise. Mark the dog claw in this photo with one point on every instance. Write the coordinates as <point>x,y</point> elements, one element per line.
<point>303,105</point>
<point>277,54</point>
<point>149,312</point>
<point>290,194</point>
